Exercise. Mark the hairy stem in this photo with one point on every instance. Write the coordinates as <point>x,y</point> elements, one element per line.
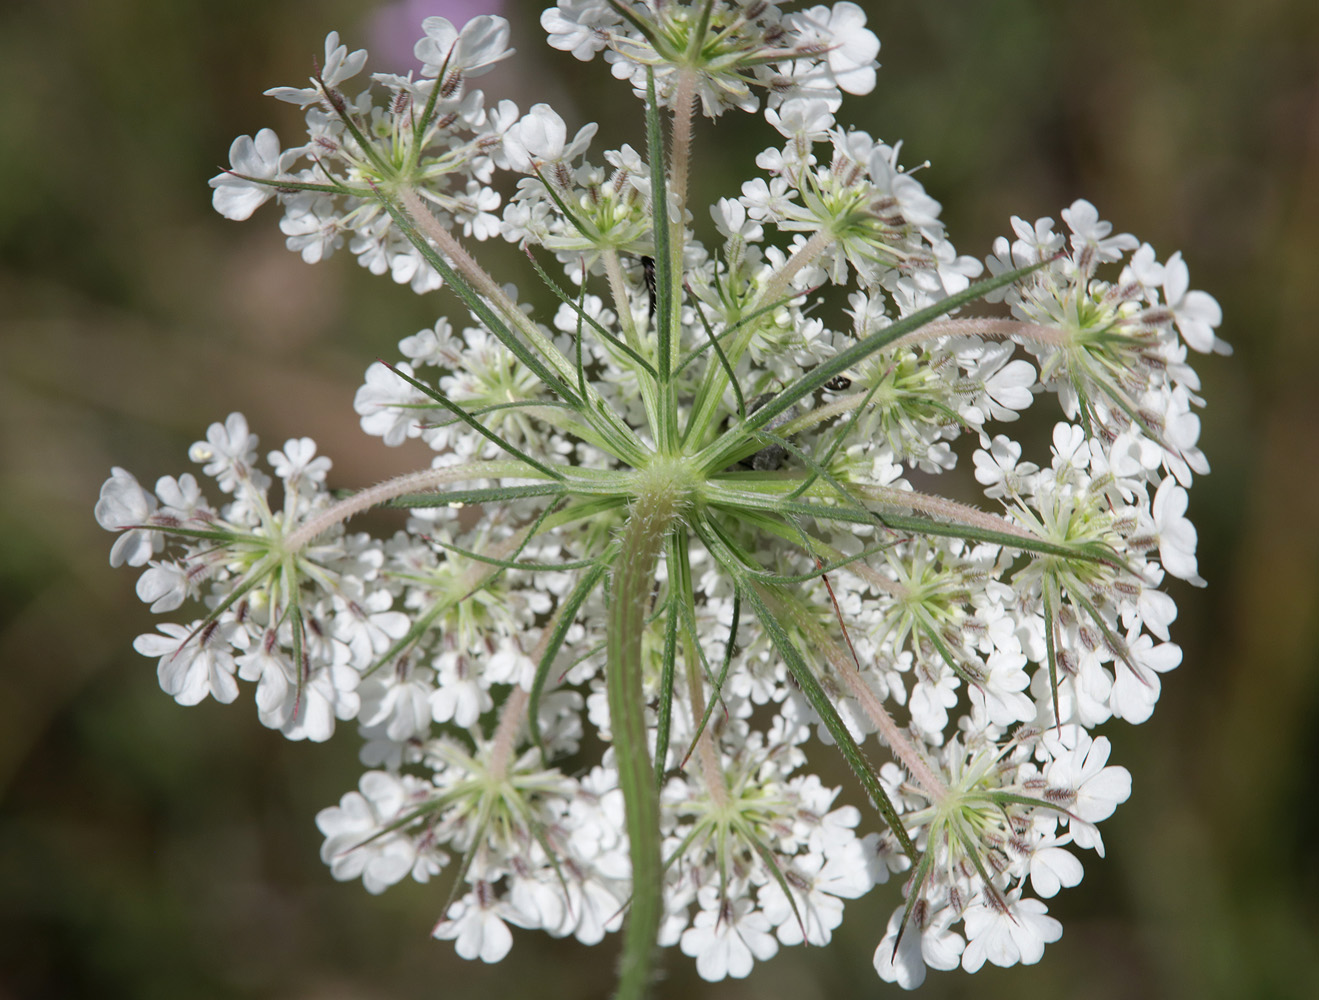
<point>778,285</point>
<point>511,715</point>
<point>937,506</point>
<point>680,162</point>
<point>634,575</point>
<point>413,482</point>
<point>515,708</point>
<point>486,286</point>
<point>846,668</point>
<point>995,329</point>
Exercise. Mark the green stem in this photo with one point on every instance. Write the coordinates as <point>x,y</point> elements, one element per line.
<point>648,525</point>
<point>622,301</point>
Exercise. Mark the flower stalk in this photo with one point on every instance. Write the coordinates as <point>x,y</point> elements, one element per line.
<point>658,503</point>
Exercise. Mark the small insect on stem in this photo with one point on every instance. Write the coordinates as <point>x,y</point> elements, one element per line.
<point>648,274</point>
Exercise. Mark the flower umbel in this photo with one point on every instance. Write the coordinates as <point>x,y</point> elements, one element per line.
<point>673,516</point>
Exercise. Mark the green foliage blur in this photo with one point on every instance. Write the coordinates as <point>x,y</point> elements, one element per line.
<point>148,851</point>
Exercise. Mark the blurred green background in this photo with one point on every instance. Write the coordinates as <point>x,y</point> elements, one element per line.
<point>148,851</point>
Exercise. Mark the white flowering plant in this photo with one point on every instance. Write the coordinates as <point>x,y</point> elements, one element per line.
<point>670,548</point>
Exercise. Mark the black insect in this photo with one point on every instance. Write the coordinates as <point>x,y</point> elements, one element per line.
<point>648,274</point>
<point>838,383</point>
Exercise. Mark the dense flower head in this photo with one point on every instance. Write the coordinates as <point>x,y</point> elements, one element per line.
<point>731,50</point>
<point>434,132</point>
<point>670,545</point>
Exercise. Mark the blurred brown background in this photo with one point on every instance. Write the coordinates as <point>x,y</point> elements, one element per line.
<point>148,851</point>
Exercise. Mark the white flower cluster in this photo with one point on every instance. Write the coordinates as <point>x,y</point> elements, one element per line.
<point>804,588</point>
<point>435,130</point>
<point>234,558</point>
<point>818,52</point>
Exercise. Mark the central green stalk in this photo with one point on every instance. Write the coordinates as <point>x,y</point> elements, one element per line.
<point>660,496</point>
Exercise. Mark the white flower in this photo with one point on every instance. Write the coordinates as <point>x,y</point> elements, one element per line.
<point>459,695</point>
<point>1000,693</point>
<point>730,218</point>
<point>1136,683</point>
<point>240,191</point>
<point>932,945</point>
<point>1078,766</point>
<point>313,227</point>
<point>124,506</point>
<point>996,636</point>
<point>850,48</point>
<point>389,406</point>
<point>164,586</point>
<point>579,32</point>
<point>1007,936</point>
<point>406,265</point>
<point>998,469</point>
<point>476,215</point>
<point>819,887</point>
<point>272,671</point>
<point>597,909</point>
<point>540,137</point>
<point>399,699</point>
<point>1005,385</point>
<point>1155,610</point>
<point>765,200</point>
<point>340,65</point>
<point>367,626</point>
<point>1034,242</point>
<point>1197,313</point>
<point>539,896</point>
<point>805,119</point>
<point>934,693</point>
<point>182,498</point>
<point>435,346</point>
<point>329,694</point>
<point>299,462</point>
<point>727,936</point>
<point>228,453</point>
<point>1051,868</point>
<point>482,42</point>
<point>510,665</point>
<point>917,207</point>
<point>476,925</point>
<point>1091,234</point>
<point>1144,268</point>
<point>1176,534</point>
<point>1071,451</point>
<point>357,839</point>
<point>195,661</point>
